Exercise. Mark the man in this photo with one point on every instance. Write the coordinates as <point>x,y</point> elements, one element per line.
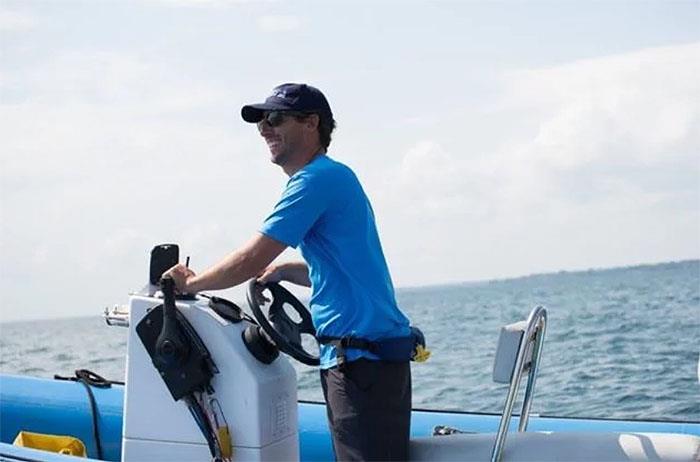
<point>325,212</point>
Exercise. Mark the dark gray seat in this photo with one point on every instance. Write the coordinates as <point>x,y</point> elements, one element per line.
<point>560,446</point>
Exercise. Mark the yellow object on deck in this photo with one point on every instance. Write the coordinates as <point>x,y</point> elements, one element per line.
<point>53,443</point>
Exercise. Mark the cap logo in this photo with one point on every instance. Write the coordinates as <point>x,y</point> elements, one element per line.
<point>279,94</point>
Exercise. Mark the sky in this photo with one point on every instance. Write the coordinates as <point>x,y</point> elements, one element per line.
<point>494,139</point>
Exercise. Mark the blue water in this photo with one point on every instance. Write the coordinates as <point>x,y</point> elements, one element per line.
<point>621,343</point>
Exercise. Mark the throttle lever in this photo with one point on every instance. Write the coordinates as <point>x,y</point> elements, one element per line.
<point>171,349</point>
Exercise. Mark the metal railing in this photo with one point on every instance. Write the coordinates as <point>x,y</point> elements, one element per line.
<point>533,336</point>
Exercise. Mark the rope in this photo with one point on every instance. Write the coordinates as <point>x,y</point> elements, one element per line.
<point>88,379</point>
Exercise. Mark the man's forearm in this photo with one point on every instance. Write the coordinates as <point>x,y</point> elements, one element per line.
<point>237,267</point>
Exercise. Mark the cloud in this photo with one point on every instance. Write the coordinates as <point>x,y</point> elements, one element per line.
<point>111,113</point>
<point>644,101</point>
<point>106,154</point>
<point>279,23</point>
<point>604,126</point>
<point>97,108</point>
<point>435,181</point>
<point>594,162</point>
<point>16,21</point>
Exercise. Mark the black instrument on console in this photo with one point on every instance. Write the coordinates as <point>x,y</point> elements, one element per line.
<point>178,353</point>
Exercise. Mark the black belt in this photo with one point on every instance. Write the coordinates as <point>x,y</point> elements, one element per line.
<point>342,343</point>
<point>392,349</point>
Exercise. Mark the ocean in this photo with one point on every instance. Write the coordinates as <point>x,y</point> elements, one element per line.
<point>620,343</point>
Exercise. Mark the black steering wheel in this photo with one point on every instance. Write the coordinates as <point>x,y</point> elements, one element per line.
<point>283,330</point>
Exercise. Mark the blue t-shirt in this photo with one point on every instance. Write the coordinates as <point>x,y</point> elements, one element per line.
<point>326,213</point>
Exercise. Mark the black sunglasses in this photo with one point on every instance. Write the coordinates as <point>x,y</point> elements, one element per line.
<point>277,118</point>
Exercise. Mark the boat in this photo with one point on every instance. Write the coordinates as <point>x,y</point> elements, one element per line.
<point>206,381</point>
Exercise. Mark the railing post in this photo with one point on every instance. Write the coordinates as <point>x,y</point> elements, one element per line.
<point>534,332</point>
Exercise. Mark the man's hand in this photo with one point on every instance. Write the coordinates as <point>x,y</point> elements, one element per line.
<point>181,275</point>
<point>294,272</point>
<point>273,273</point>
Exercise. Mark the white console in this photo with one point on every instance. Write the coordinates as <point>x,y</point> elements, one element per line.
<point>259,401</point>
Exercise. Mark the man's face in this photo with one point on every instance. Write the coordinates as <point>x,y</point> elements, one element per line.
<point>284,136</point>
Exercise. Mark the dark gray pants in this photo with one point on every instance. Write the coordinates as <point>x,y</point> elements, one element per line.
<point>369,409</point>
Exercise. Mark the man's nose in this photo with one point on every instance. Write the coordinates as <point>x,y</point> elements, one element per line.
<point>264,128</point>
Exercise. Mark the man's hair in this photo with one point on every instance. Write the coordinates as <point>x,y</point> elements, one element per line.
<point>325,128</point>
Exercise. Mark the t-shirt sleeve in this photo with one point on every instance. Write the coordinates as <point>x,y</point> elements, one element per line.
<point>301,205</point>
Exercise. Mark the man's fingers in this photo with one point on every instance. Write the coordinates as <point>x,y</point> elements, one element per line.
<point>179,273</point>
<point>270,274</point>
<point>264,276</point>
<point>179,269</point>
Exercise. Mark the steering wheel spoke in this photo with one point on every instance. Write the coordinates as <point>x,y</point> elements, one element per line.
<point>278,325</point>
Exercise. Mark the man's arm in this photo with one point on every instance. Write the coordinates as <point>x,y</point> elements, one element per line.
<point>237,267</point>
<point>294,272</point>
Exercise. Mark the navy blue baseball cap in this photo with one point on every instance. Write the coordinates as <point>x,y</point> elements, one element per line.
<point>297,97</point>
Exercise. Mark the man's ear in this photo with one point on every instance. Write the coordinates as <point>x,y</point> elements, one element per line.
<point>313,121</point>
